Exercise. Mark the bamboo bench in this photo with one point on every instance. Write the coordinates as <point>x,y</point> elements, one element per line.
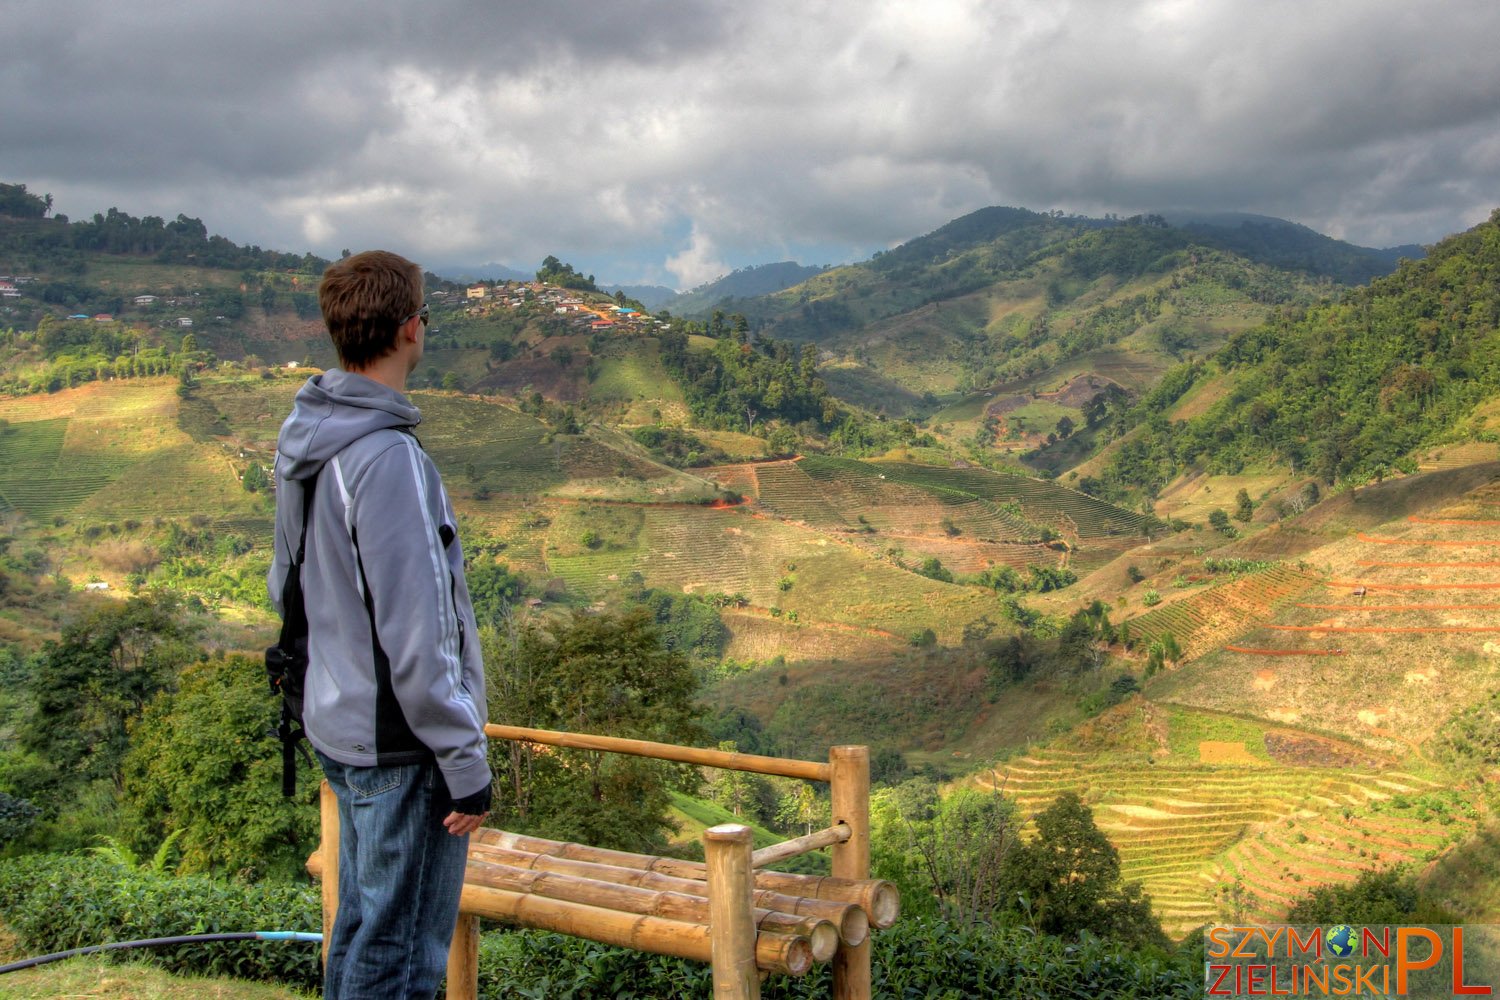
<point>729,910</point>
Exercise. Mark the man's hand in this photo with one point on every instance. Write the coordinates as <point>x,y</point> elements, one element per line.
<point>469,812</point>
<point>458,823</point>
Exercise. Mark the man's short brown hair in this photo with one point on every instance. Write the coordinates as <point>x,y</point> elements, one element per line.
<point>364,299</point>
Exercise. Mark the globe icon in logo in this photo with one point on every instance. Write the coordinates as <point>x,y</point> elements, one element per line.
<point>1340,941</point>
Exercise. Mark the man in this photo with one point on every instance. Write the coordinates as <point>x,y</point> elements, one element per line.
<point>394,704</point>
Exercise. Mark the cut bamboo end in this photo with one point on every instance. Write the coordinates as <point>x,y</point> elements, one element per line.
<point>880,899</point>
<point>782,912</point>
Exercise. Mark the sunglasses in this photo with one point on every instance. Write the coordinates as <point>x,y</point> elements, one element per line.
<point>420,314</point>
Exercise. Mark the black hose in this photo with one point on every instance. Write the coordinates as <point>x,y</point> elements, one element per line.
<point>58,956</point>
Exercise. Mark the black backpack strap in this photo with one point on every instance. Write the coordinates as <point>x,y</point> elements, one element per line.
<point>286,662</point>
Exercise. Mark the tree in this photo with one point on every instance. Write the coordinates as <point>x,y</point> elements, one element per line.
<point>201,768</point>
<point>1067,879</point>
<point>1244,507</point>
<point>1388,896</point>
<point>950,849</point>
<point>255,478</point>
<point>93,683</point>
<point>608,674</point>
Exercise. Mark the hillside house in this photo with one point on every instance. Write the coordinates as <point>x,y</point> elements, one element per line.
<point>477,291</point>
<point>103,318</point>
<point>145,300</point>
<point>185,321</point>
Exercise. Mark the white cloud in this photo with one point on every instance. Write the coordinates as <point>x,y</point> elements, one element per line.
<point>765,130</point>
<point>697,264</point>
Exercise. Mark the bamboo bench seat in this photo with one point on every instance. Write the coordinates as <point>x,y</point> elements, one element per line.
<point>730,910</point>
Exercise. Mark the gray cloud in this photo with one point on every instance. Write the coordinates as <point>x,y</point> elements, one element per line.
<point>667,139</point>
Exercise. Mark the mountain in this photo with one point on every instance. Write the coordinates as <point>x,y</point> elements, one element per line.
<point>653,297</point>
<point>747,282</point>
<point>1170,621</point>
<point>465,273</point>
<point>1348,388</point>
<point>1289,244</point>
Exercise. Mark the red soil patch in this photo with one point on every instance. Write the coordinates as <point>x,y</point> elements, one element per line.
<point>1441,520</point>
<point>1284,652</point>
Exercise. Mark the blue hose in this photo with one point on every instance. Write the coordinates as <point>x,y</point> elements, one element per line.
<point>58,956</point>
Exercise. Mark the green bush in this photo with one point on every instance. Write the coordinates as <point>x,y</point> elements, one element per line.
<point>916,958</point>
<point>56,902</point>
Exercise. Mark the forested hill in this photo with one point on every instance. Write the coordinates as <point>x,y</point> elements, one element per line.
<point>995,245</point>
<point>1287,244</point>
<point>31,239</point>
<point>1346,389</point>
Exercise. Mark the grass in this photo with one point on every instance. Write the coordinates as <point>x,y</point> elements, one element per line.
<point>93,977</point>
<point>634,375</point>
<point>693,816</point>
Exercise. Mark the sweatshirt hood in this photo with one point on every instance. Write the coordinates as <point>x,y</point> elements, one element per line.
<point>332,410</point>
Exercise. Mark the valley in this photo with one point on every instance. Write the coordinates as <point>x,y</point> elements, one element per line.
<point>1269,635</point>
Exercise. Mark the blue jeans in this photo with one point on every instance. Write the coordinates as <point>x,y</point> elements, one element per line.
<point>400,875</point>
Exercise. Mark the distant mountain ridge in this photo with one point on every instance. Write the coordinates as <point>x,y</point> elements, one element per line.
<point>463,273</point>
<point>653,297</point>
<point>747,282</point>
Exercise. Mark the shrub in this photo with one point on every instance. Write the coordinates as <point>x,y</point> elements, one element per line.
<point>54,902</point>
<point>915,958</point>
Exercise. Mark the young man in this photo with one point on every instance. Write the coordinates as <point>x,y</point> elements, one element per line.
<point>394,704</point>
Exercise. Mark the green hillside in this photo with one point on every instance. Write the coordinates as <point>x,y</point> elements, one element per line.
<point>1243,609</point>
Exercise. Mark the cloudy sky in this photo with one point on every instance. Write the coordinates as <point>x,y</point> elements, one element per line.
<point>668,141</point>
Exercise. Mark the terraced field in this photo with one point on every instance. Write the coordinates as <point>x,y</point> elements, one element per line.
<point>787,489</point>
<point>1187,831</point>
<point>828,583</point>
<point>110,451</point>
<point>1399,633</point>
<point>1041,501</point>
<point>1209,618</point>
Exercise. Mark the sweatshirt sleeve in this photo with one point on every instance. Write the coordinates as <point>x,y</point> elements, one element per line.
<point>398,513</point>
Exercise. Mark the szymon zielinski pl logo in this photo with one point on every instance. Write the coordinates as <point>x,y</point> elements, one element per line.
<point>1280,960</point>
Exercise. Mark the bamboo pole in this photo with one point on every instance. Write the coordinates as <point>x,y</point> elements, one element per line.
<point>880,899</point>
<point>328,851</point>
<point>773,952</point>
<point>808,770</point>
<point>685,901</point>
<point>850,799</point>
<point>774,910</point>
<point>731,924</point>
<point>463,959</point>
<point>798,846</point>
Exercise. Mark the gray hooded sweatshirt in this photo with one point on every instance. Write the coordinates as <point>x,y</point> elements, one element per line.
<point>394,672</point>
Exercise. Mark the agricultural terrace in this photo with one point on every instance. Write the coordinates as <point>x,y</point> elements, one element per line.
<point>1269,810</point>
<point>1208,619</point>
<point>1410,612</point>
<point>783,570</point>
<point>112,450</point>
<point>1040,501</point>
<point>848,494</point>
